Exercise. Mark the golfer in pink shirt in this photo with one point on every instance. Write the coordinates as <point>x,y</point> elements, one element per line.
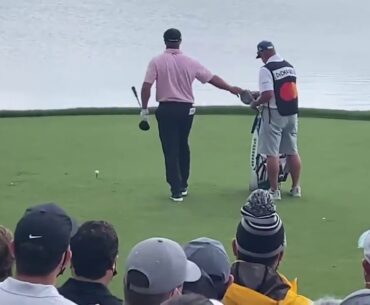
<point>174,73</point>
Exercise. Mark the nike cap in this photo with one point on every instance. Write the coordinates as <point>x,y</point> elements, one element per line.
<point>46,225</point>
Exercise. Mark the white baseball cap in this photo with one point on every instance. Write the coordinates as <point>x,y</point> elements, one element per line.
<point>359,297</point>
<point>364,243</point>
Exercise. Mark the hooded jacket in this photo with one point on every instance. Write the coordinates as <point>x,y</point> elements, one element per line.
<point>261,285</point>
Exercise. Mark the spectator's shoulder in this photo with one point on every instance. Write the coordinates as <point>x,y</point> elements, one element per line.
<point>113,300</point>
<point>65,301</point>
<point>302,300</point>
<point>299,299</point>
<point>116,301</point>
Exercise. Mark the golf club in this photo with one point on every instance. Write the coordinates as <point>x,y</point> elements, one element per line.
<point>143,125</point>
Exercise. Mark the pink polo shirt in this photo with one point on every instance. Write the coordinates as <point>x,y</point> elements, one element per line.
<point>174,73</point>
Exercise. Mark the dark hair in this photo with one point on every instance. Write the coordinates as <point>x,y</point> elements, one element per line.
<point>188,299</point>
<point>263,261</point>
<point>6,257</point>
<point>139,279</point>
<point>35,260</point>
<point>94,249</point>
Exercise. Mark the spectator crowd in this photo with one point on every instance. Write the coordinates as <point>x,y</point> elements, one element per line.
<point>47,242</point>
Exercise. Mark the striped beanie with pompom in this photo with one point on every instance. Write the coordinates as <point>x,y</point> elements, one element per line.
<point>260,233</point>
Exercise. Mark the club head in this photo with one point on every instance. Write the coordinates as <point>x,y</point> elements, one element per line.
<point>144,125</point>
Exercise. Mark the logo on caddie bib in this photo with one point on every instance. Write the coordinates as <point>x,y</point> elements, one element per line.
<point>288,92</point>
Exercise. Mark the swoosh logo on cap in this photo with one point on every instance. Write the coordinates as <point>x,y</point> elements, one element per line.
<point>34,236</point>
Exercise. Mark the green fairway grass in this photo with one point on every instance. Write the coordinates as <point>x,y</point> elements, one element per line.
<point>54,158</point>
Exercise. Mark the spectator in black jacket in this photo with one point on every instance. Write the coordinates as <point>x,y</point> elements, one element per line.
<point>94,253</point>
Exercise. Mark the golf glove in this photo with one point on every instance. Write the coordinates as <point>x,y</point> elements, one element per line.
<point>255,94</point>
<point>247,97</point>
<point>144,114</point>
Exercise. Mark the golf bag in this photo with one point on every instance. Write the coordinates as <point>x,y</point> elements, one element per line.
<point>258,162</point>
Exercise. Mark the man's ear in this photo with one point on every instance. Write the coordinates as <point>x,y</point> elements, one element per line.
<point>230,281</point>
<point>66,260</point>
<point>366,266</point>
<point>68,257</point>
<point>12,249</point>
<point>279,259</point>
<point>114,267</point>
<point>281,256</point>
<point>235,247</point>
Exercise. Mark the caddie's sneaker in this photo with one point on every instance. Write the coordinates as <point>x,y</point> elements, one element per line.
<point>177,197</point>
<point>276,195</point>
<point>296,192</point>
<point>184,192</point>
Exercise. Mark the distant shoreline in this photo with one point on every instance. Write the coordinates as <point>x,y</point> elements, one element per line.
<point>202,110</point>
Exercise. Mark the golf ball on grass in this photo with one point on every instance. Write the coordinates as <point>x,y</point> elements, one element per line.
<point>97,172</point>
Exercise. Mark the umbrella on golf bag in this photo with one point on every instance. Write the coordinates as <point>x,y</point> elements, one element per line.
<point>258,162</point>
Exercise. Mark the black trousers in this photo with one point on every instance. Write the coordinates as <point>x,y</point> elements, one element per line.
<point>174,124</point>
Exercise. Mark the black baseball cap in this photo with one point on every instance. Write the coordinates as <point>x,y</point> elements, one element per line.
<point>264,45</point>
<point>47,225</point>
<point>172,35</point>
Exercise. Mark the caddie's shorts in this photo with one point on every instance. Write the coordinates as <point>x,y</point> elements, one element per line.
<point>278,134</point>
